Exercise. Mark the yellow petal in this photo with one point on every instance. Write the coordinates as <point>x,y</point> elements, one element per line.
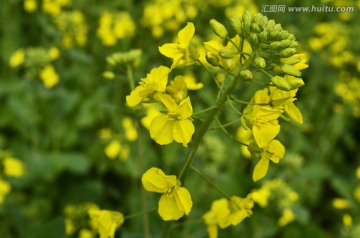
<point>276,151</point>
<point>261,168</point>
<point>168,208</point>
<point>134,98</point>
<point>155,180</point>
<point>183,199</point>
<point>185,109</point>
<point>106,222</point>
<point>167,100</point>
<point>183,131</point>
<point>293,112</point>
<point>185,35</point>
<point>264,134</point>
<point>158,78</point>
<point>161,129</point>
<point>169,49</point>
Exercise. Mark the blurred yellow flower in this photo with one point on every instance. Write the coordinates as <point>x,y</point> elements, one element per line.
<point>86,233</point>
<point>49,76</point>
<point>5,188</point>
<point>17,58</point>
<point>358,172</point>
<point>54,7</point>
<point>341,203</point>
<point>13,167</point>
<point>347,220</point>
<point>179,51</point>
<point>152,111</point>
<point>116,149</point>
<point>54,53</point>
<point>261,196</point>
<point>130,129</point>
<point>106,222</point>
<point>357,193</point>
<point>286,217</point>
<point>175,201</point>
<point>175,124</point>
<point>30,5</point>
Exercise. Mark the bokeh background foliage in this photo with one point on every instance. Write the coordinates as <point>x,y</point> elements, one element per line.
<point>80,145</point>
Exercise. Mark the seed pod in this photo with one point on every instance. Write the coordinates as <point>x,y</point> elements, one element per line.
<point>218,28</point>
<point>281,83</point>
<point>290,70</point>
<point>235,24</point>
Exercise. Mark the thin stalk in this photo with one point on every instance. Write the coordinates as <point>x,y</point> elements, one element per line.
<point>210,182</point>
<point>139,213</point>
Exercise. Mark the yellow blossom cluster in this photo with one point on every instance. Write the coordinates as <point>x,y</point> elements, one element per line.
<point>38,62</point>
<point>227,212</point>
<point>114,26</point>
<point>11,167</point>
<point>348,88</point>
<point>72,27</point>
<point>168,15</point>
<point>175,123</point>
<point>277,191</point>
<point>103,222</point>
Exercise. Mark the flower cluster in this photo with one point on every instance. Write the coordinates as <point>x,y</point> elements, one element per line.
<point>37,62</point>
<point>274,55</point>
<point>174,124</point>
<point>226,212</point>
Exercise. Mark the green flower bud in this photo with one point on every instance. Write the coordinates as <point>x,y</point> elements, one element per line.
<point>290,70</point>
<point>255,28</point>
<point>246,27</point>
<point>264,20</point>
<point>296,83</point>
<point>246,74</point>
<point>287,52</point>
<point>212,59</point>
<point>247,16</point>
<point>275,45</point>
<point>218,28</point>
<point>293,44</point>
<point>194,52</point>
<point>260,62</point>
<point>262,36</point>
<point>284,35</point>
<point>227,53</point>
<point>253,39</point>
<point>281,83</point>
<point>285,43</point>
<point>290,60</point>
<point>235,24</point>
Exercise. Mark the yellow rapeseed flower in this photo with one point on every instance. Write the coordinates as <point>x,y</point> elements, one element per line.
<point>30,5</point>
<point>5,188</point>
<point>175,124</point>
<point>49,76</point>
<point>286,217</point>
<point>13,167</point>
<point>175,201</point>
<point>17,58</point>
<point>130,129</point>
<point>106,222</point>
<point>179,51</point>
<point>155,81</point>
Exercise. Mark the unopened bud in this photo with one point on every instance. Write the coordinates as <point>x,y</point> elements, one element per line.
<point>290,70</point>
<point>293,44</point>
<point>290,60</point>
<point>255,28</point>
<point>262,36</point>
<point>246,74</point>
<point>287,52</point>
<point>281,83</point>
<point>194,51</point>
<point>218,28</point>
<point>212,59</point>
<point>246,16</point>
<point>285,43</point>
<point>227,53</point>
<point>296,83</point>
<point>246,27</point>
<point>235,24</point>
<point>260,62</point>
<point>284,35</point>
<point>275,45</point>
<point>253,40</point>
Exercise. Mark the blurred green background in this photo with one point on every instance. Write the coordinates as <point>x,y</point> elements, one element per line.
<point>68,141</point>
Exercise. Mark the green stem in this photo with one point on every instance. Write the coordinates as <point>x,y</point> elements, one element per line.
<point>203,128</point>
<point>139,213</point>
<point>210,182</point>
